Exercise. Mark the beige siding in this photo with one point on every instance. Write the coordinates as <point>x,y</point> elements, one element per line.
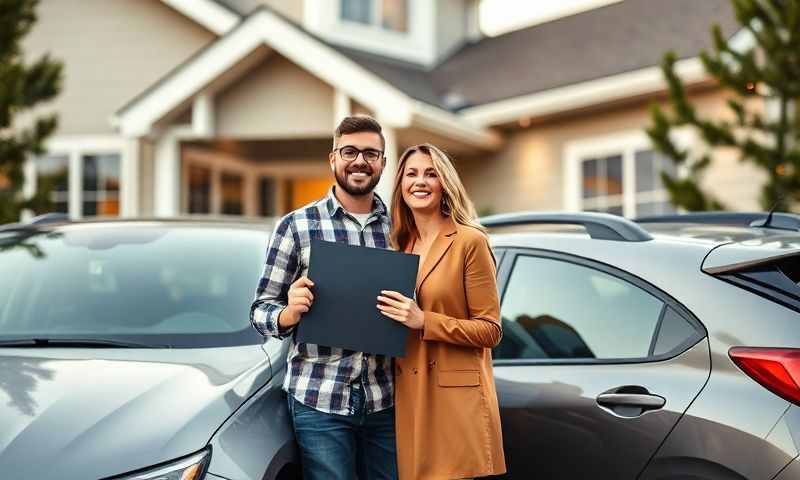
<point>291,9</point>
<point>112,51</point>
<point>451,28</point>
<point>276,100</point>
<point>146,178</point>
<point>528,173</point>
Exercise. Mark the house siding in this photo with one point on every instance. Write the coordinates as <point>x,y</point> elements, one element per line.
<point>291,9</point>
<point>276,100</point>
<point>528,174</point>
<point>112,51</point>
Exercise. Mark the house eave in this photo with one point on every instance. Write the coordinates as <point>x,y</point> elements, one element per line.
<point>610,89</point>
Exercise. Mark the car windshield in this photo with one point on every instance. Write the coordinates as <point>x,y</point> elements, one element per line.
<point>146,283</point>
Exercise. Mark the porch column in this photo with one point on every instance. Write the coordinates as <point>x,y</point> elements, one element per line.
<point>386,185</point>
<point>75,182</point>
<point>203,115</point>
<point>129,179</point>
<point>167,176</point>
<point>341,106</point>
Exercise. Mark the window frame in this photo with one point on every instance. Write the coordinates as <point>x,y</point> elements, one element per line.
<point>101,194</point>
<point>376,22</point>
<point>416,45</point>
<point>625,144</point>
<point>75,148</point>
<point>506,268</point>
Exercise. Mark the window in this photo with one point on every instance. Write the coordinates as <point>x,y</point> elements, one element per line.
<point>84,176</point>
<point>673,333</point>
<point>101,184</point>
<point>554,309</point>
<point>619,174</point>
<point>186,294</point>
<point>775,279</point>
<point>232,192</point>
<point>387,14</point>
<point>199,189</point>
<point>650,192</point>
<point>360,11</point>
<point>53,176</point>
<point>267,197</point>
<point>602,184</point>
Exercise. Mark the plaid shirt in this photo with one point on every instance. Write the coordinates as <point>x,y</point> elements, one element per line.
<point>318,376</point>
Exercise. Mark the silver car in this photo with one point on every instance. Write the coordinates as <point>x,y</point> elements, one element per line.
<point>664,349</point>
<point>667,349</point>
<point>126,352</point>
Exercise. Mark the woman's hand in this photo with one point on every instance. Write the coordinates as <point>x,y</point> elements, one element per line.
<point>401,308</point>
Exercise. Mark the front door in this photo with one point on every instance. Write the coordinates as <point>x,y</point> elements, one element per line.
<point>306,190</point>
<point>594,369</point>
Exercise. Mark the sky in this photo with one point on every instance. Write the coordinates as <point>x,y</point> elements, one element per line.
<point>500,16</point>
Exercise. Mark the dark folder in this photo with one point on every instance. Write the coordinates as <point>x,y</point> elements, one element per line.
<point>347,281</point>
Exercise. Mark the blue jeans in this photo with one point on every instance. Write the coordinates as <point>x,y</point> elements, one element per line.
<point>338,447</point>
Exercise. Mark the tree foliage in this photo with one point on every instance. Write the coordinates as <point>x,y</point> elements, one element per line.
<point>22,88</point>
<point>767,137</point>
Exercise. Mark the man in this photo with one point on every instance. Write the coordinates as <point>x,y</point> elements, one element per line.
<point>340,401</point>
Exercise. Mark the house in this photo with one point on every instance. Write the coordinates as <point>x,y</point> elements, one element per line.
<point>226,107</point>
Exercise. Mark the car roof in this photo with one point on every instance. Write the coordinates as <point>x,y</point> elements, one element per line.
<point>705,242</point>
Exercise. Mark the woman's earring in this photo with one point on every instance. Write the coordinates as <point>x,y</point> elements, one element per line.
<point>445,207</point>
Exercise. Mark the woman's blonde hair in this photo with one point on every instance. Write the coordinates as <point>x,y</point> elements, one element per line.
<point>455,202</point>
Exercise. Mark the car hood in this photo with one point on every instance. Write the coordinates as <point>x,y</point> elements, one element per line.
<point>93,413</point>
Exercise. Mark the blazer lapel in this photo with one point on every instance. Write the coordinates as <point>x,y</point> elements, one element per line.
<point>437,251</point>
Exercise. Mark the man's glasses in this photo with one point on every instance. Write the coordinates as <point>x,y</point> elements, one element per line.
<point>350,153</point>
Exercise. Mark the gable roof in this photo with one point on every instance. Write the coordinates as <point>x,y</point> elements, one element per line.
<point>610,40</point>
<point>599,55</point>
<point>264,27</point>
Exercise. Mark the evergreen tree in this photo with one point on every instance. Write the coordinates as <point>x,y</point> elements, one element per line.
<point>769,71</point>
<point>22,87</point>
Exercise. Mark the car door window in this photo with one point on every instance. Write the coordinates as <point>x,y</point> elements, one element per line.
<point>555,309</point>
<point>673,333</point>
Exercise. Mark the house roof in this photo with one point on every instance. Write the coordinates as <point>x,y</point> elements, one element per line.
<point>606,54</point>
<point>610,40</point>
<point>264,27</point>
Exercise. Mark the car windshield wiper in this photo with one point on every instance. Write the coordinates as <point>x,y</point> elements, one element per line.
<point>75,343</point>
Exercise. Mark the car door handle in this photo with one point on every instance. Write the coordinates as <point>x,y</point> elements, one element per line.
<point>644,401</point>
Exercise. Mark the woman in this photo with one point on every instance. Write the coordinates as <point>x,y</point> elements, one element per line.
<point>447,416</point>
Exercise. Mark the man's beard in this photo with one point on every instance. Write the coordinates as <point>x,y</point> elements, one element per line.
<point>341,181</point>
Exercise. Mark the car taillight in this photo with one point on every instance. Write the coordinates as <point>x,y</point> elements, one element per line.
<point>777,369</point>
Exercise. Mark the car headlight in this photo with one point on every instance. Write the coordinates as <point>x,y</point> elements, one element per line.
<point>188,468</point>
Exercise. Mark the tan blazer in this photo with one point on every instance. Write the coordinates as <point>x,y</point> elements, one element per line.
<point>448,419</point>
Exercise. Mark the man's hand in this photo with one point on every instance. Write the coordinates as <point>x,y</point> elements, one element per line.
<point>300,300</point>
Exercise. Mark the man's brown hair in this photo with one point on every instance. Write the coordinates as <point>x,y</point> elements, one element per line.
<point>356,124</point>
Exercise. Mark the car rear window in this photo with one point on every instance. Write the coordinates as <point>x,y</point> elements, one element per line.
<point>791,268</point>
<point>777,280</point>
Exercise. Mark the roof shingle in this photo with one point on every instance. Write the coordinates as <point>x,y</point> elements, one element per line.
<point>617,38</point>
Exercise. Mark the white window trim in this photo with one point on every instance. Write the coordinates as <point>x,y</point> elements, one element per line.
<point>74,147</point>
<point>417,44</point>
<point>625,143</point>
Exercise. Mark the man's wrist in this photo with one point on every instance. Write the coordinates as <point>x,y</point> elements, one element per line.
<point>282,326</point>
